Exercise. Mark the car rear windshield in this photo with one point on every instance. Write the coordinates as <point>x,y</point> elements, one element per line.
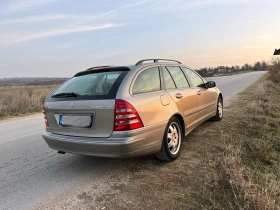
<point>100,85</point>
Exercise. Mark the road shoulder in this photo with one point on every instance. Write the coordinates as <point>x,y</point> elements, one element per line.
<point>18,118</point>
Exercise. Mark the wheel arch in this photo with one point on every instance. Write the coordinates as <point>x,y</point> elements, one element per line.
<point>221,96</point>
<point>182,122</point>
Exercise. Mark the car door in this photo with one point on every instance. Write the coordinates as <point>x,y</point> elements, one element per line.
<point>179,89</point>
<point>207,97</point>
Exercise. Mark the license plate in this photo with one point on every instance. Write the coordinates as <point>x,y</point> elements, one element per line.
<point>76,121</point>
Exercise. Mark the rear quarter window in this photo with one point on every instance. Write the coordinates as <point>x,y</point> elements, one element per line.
<point>147,81</point>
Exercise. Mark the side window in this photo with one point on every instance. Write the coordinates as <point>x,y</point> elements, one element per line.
<point>168,81</point>
<point>147,81</point>
<point>178,77</point>
<point>194,78</point>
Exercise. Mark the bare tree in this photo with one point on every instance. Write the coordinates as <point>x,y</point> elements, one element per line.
<point>257,66</point>
<point>274,74</point>
<point>275,62</point>
<point>263,66</point>
<point>237,68</point>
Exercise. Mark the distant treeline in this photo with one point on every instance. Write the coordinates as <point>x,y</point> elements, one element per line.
<point>258,66</point>
<point>29,81</point>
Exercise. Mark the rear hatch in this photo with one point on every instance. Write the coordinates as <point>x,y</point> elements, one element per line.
<point>84,105</point>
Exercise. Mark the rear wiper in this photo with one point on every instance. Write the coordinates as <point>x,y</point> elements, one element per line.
<point>64,95</point>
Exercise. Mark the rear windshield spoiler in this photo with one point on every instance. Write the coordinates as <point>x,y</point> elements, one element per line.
<point>98,70</point>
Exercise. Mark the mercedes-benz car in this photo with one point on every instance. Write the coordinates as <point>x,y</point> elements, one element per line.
<point>126,111</point>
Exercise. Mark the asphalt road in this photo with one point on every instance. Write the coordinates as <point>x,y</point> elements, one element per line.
<point>30,171</point>
<point>230,85</point>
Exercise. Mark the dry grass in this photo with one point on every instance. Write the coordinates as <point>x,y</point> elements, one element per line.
<point>248,169</point>
<point>275,74</point>
<point>15,101</point>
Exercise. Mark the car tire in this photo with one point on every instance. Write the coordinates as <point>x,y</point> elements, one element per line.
<point>172,141</point>
<point>219,110</point>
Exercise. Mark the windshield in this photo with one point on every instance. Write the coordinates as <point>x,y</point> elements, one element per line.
<point>91,84</point>
<point>99,85</point>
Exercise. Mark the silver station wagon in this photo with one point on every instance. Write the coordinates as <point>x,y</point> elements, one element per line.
<point>127,111</point>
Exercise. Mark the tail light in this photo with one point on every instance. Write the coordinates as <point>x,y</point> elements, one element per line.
<point>46,120</point>
<point>126,117</point>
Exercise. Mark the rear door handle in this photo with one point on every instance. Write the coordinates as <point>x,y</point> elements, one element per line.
<point>199,93</point>
<point>179,95</point>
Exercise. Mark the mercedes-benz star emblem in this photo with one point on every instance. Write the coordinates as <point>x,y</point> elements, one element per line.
<point>70,105</point>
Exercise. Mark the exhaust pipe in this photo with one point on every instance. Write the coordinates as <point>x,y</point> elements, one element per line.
<point>61,152</point>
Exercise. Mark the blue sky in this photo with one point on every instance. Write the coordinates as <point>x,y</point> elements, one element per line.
<point>61,37</point>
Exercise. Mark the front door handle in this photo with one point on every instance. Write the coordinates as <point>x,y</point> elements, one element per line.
<point>179,95</point>
<point>199,93</point>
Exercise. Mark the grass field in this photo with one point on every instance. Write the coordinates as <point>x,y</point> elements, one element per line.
<point>247,174</point>
<point>17,101</point>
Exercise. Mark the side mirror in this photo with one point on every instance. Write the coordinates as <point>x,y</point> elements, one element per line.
<point>210,84</point>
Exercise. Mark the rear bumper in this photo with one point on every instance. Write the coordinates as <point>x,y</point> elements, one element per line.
<point>119,145</point>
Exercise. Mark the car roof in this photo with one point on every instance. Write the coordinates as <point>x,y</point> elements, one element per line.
<point>139,65</point>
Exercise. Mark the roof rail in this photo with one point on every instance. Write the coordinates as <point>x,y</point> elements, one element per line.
<point>97,67</point>
<point>155,61</point>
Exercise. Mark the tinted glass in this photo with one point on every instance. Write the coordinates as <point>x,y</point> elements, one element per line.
<point>194,78</point>
<point>168,81</point>
<point>178,77</point>
<point>147,81</point>
<point>91,84</point>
